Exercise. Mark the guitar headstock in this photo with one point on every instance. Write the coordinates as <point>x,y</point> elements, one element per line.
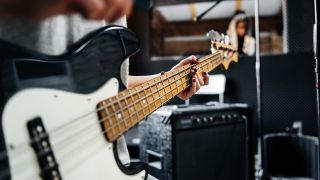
<point>221,43</point>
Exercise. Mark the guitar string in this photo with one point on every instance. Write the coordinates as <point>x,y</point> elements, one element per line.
<point>201,66</point>
<point>53,131</point>
<point>122,121</point>
<point>119,122</point>
<point>118,134</point>
<point>91,140</point>
<point>158,99</point>
<point>63,126</point>
<point>47,167</point>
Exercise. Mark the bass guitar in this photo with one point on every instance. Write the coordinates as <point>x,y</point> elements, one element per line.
<point>62,115</point>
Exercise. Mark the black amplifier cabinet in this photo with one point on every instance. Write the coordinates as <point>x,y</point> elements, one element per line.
<point>199,142</point>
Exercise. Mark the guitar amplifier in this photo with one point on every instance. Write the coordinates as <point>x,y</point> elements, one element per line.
<point>198,142</point>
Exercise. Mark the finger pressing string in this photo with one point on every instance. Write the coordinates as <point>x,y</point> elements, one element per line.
<point>200,79</point>
<point>205,78</point>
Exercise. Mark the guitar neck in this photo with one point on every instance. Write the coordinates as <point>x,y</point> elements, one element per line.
<point>121,112</point>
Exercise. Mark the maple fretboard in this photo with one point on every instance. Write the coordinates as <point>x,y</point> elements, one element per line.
<point>121,112</point>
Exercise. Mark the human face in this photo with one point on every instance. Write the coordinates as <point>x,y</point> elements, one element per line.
<point>241,28</point>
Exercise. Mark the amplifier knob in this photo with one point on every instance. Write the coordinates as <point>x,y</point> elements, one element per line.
<point>211,118</point>
<point>205,119</point>
<point>223,117</point>
<point>235,116</point>
<point>198,120</point>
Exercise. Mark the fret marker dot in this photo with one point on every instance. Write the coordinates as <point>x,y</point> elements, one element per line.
<point>119,116</point>
<point>143,101</point>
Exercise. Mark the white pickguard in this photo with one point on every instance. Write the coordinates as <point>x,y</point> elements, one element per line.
<point>85,156</point>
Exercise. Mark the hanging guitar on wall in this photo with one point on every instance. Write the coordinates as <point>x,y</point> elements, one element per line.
<point>63,114</point>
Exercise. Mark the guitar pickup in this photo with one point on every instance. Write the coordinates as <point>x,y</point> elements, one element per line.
<point>40,143</point>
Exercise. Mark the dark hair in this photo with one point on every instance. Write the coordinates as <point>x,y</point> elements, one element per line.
<point>246,19</point>
<point>239,12</point>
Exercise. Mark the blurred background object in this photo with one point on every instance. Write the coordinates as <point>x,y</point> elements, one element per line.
<point>174,30</point>
<point>291,155</point>
<point>171,30</point>
<point>239,30</point>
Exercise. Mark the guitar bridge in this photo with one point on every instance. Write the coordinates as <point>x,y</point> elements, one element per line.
<point>41,145</point>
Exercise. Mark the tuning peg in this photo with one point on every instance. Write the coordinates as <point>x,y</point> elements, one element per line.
<point>222,38</point>
<point>213,35</point>
<point>227,40</point>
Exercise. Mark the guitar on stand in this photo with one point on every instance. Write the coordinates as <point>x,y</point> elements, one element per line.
<point>63,114</point>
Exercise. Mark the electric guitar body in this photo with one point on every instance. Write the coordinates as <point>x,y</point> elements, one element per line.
<point>51,128</point>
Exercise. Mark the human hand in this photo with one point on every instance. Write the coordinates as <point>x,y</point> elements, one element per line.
<point>198,78</point>
<point>109,10</point>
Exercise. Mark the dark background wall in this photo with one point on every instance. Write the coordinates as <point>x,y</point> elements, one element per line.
<point>300,20</point>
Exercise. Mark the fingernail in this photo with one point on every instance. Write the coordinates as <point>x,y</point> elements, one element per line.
<point>193,80</point>
<point>193,73</point>
<point>195,70</point>
<point>204,73</point>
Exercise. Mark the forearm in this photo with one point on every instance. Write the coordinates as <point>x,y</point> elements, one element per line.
<point>137,80</point>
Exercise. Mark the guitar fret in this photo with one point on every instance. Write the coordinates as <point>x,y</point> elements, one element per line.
<point>144,105</point>
<point>104,113</point>
<point>132,108</point>
<point>120,116</point>
<point>138,104</point>
<point>163,93</point>
<point>117,115</point>
<point>171,92</point>
<point>127,112</point>
<point>173,88</point>
<point>155,94</point>
<point>149,98</point>
<point>180,82</point>
<point>167,90</point>
<point>141,111</point>
<point>145,101</point>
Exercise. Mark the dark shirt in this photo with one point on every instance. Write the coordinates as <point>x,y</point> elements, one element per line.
<point>240,45</point>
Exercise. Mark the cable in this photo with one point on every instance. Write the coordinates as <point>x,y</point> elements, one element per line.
<point>198,18</point>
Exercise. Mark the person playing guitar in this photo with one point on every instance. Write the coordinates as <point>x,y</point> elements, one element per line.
<point>50,26</point>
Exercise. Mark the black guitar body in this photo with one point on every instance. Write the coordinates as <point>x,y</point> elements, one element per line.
<point>86,66</point>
